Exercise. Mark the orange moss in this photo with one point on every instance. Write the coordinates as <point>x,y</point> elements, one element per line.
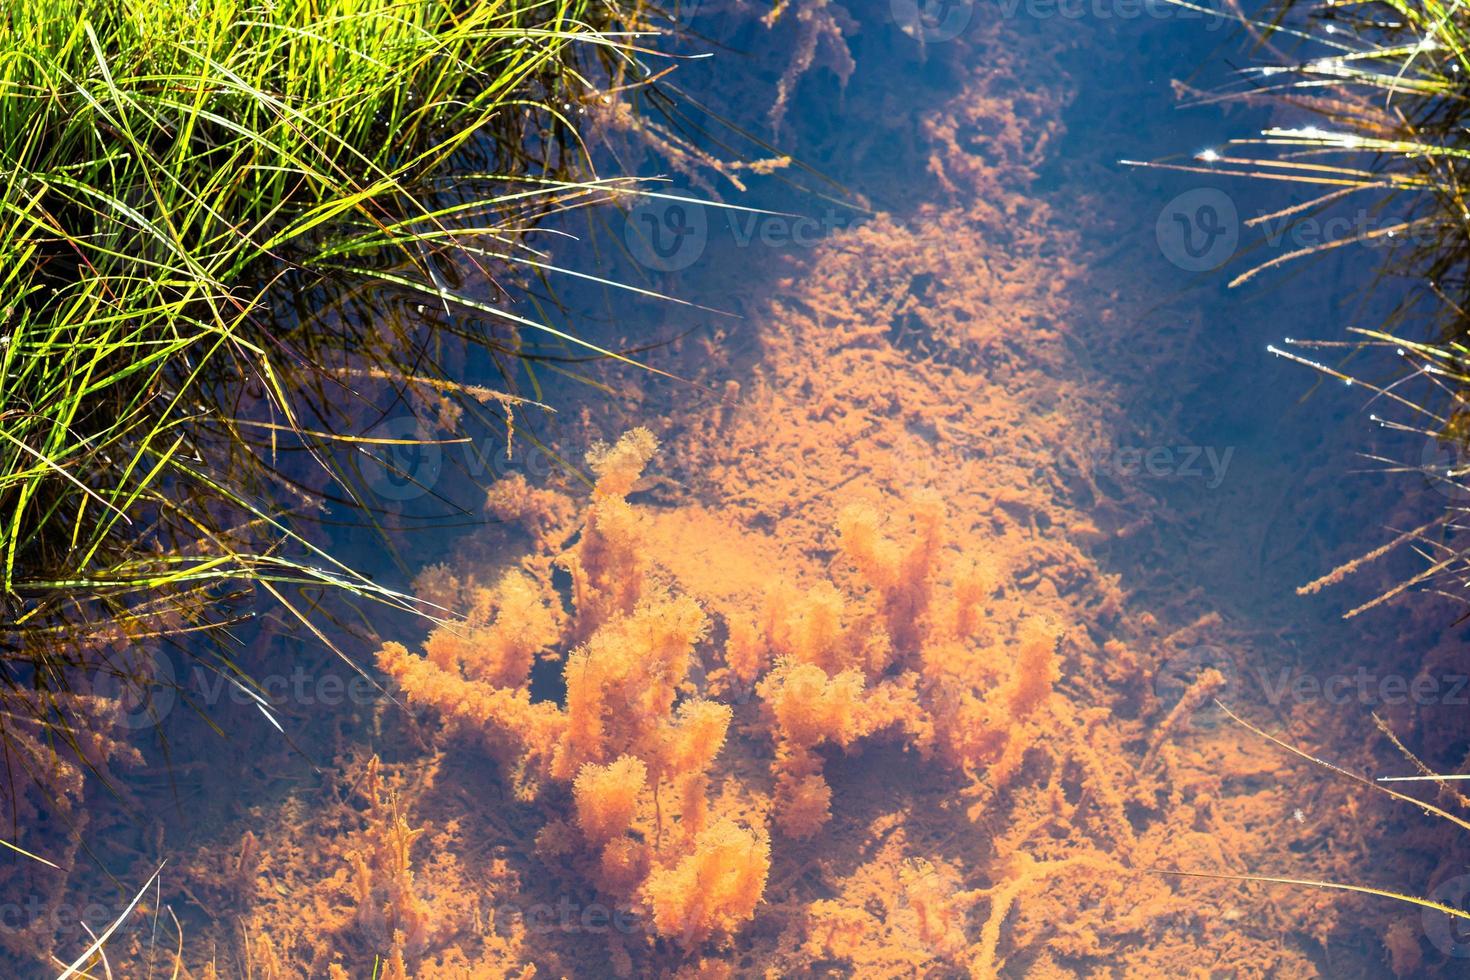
<point>607,797</point>
<point>1036,669</point>
<point>1201,689</point>
<point>626,726</point>
<point>692,745</point>
<point>834,930</point>
<point>803,801</point>
<point>389,910</point>
<point>54,740</point>
<point>505,629</point>
<point>607,564</point>
<point>621,685</point>
<point>713,889</point>
<point>940,908</point>
<point>1401,940</point>
<point>904,578</point>
<point>809,706</point>
<point>520,733</point>
<point>747,651</point>
<point>540,511</point>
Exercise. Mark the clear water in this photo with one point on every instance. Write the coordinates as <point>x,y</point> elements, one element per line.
<point>958,289</point>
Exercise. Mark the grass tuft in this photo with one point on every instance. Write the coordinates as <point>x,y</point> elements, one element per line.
<point>213,217</point>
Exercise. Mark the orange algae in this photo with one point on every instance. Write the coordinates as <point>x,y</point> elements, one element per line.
<point>890,718</point>
<point>906,641</point>
<point>636,753</point>
<point>387,904</point>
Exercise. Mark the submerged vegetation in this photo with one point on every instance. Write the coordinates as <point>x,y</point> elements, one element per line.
<point>229,240</point>
<point>842,679</point>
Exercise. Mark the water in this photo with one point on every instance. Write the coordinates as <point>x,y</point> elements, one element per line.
<point>959,301</point>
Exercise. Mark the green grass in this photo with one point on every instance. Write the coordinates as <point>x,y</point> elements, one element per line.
<point>174,176</point>
<point>159,161</point>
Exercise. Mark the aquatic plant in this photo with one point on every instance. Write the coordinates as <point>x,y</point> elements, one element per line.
<point>906,651</point>
<point>888,361</point>
<point>624,734</point>
<point>387,905</point>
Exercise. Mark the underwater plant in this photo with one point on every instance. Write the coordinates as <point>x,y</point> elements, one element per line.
<point>655,705</point>
<point>624,734</point>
